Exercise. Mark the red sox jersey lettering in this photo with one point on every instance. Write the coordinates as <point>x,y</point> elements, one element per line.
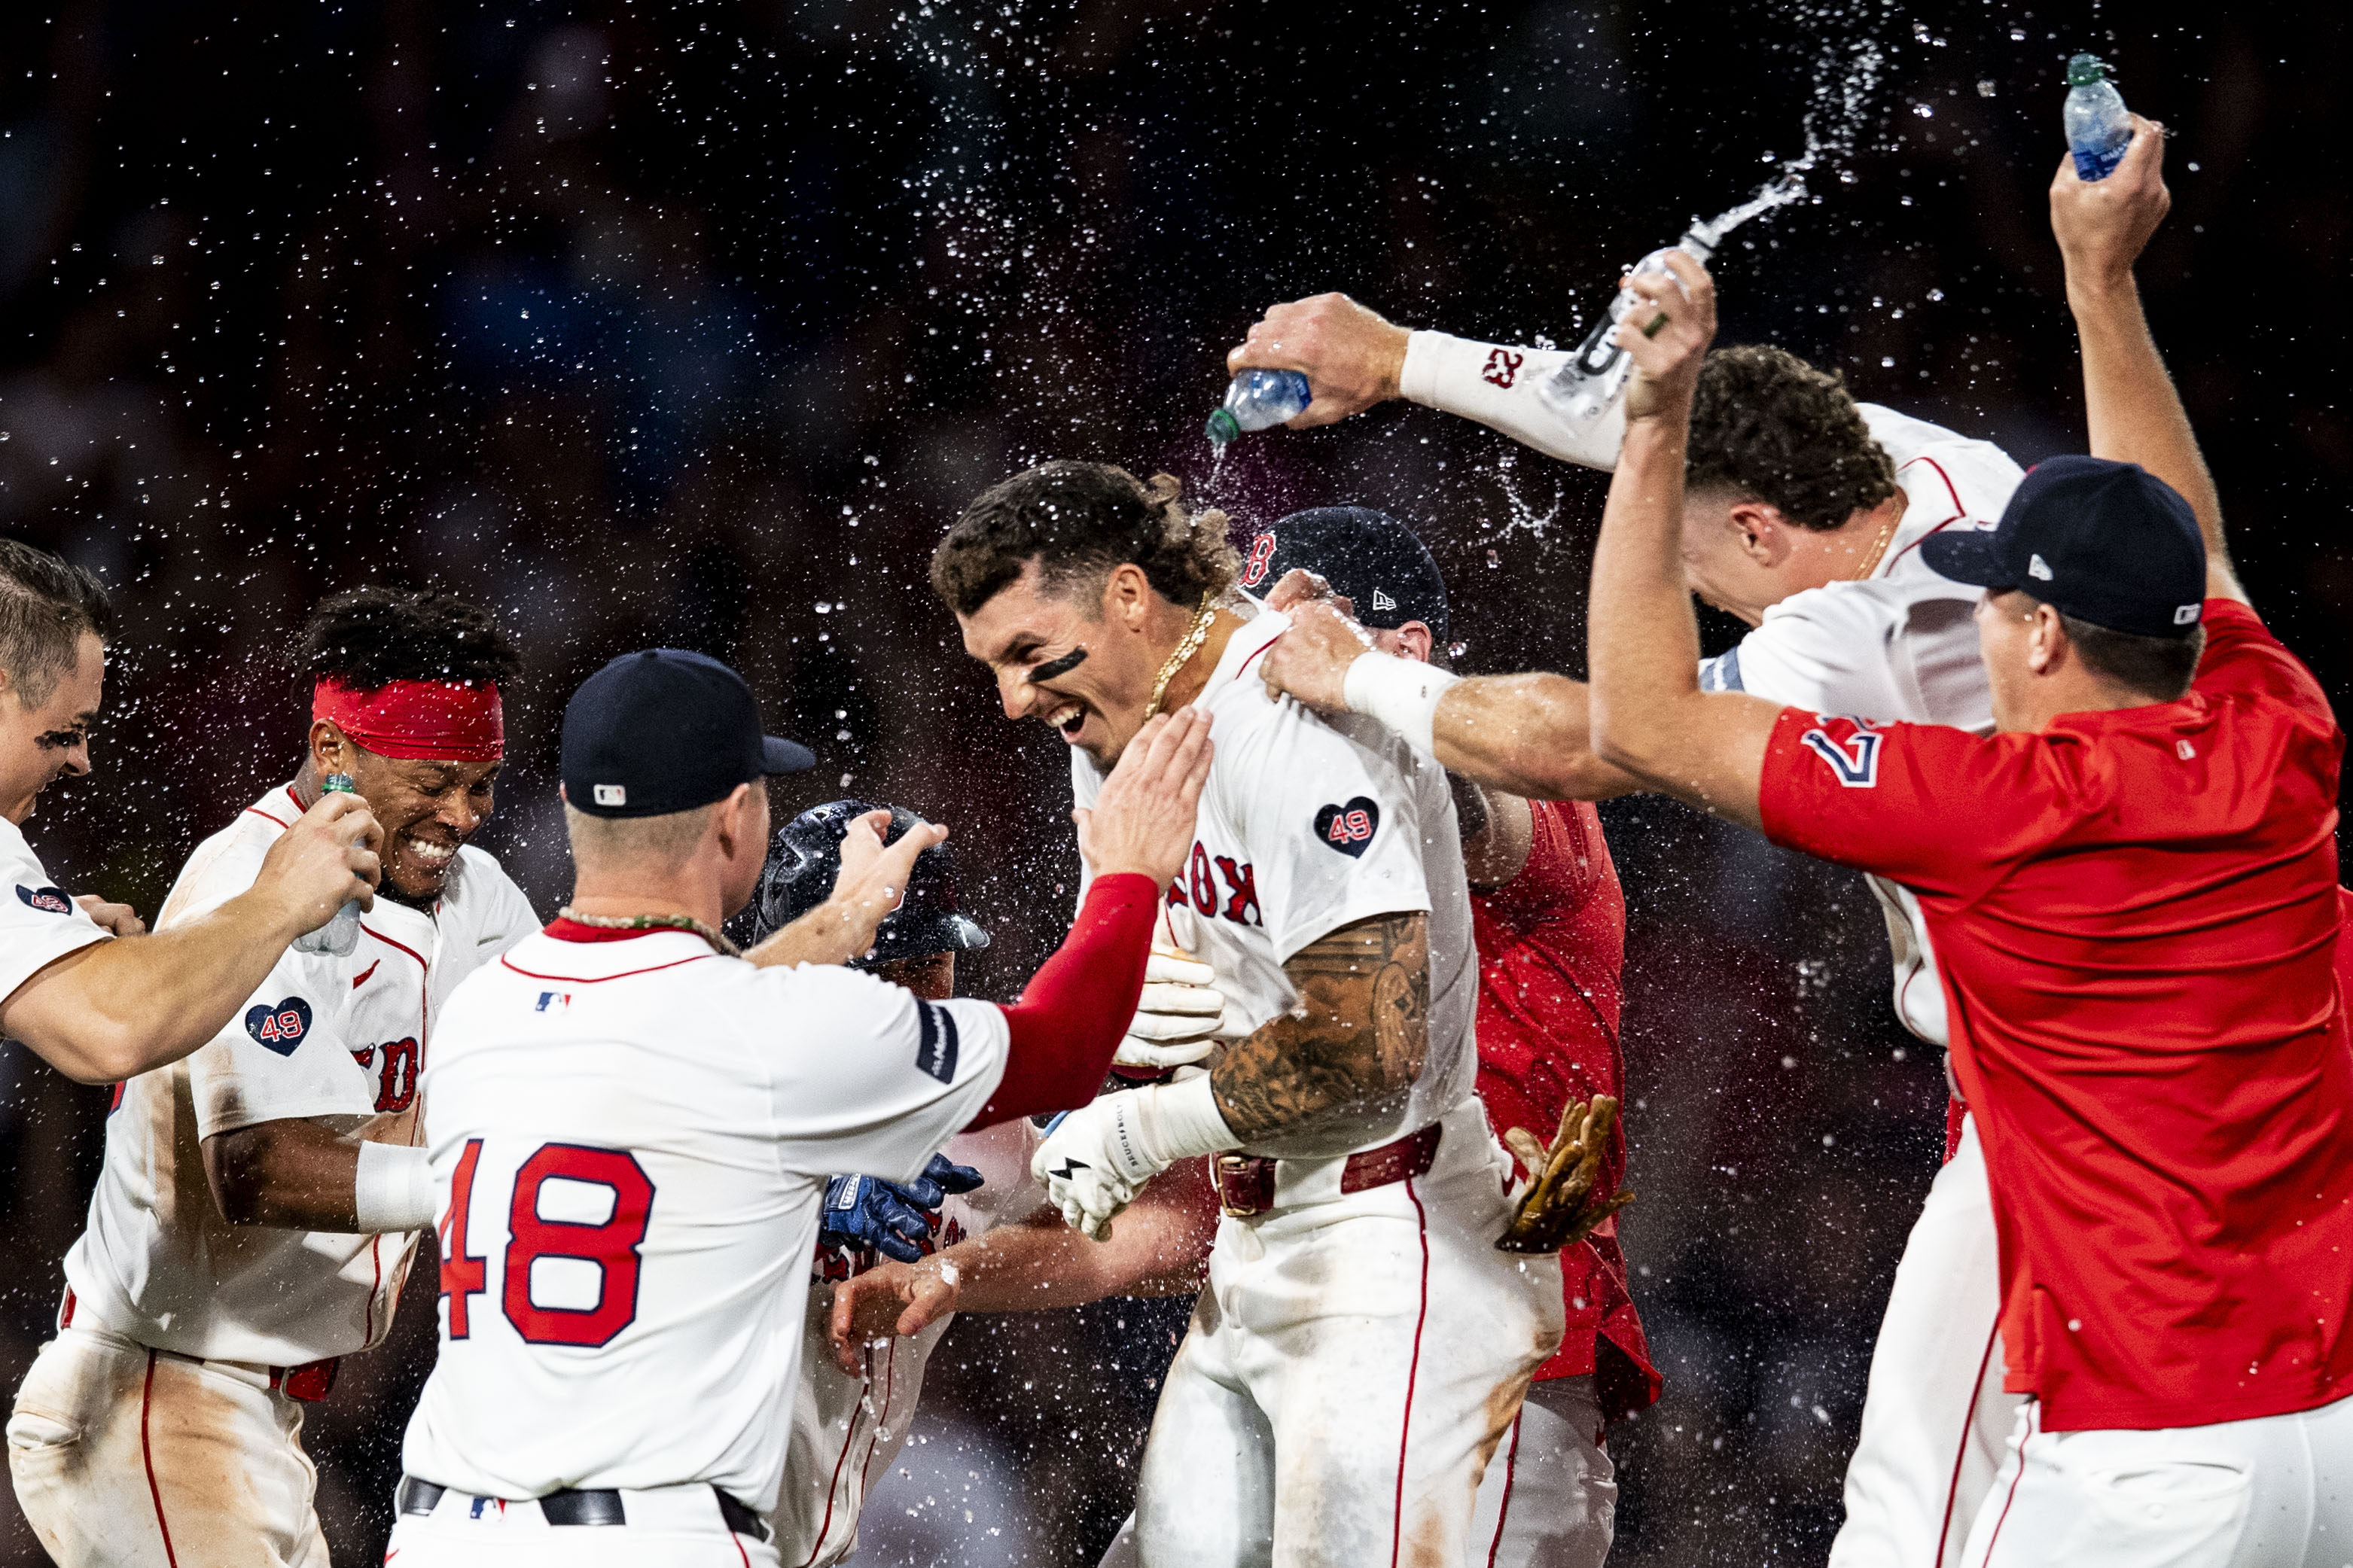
<point>1198,889</point>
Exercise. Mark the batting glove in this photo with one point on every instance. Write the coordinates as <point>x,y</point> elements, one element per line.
<point>1094,1163</point>
<point>866,1211</point>
<point>1181,1017</point>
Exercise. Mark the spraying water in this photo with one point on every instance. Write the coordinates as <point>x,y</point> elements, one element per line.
<point>1585,390</point>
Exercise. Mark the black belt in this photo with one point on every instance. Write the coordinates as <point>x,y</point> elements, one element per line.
<point>593,1505</point>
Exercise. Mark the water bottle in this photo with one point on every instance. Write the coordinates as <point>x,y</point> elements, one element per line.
<point>1582,390</point>
<point>1259,400</point>
<point>339,937</point>
<point>2099,128</point>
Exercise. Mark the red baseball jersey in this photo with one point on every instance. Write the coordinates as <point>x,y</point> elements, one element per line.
<point>2138,916</point>
<point>1551,942</point>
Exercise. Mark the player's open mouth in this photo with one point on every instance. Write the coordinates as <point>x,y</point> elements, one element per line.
<point>1069,721</point>
<point>434,855</point>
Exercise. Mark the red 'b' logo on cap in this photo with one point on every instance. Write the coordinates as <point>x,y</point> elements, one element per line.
<point>1261,554</point>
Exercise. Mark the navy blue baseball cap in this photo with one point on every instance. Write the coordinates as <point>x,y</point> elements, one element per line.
<point>2106,542</point>
<point>666,730</point>
<point>1371,559</point>
<point>805,857</point>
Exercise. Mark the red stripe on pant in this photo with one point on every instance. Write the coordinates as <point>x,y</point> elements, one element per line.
<point>146,1401</point>
<point>1413,1372</point>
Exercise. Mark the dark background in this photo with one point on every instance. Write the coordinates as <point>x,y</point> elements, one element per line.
<point>695,324</point>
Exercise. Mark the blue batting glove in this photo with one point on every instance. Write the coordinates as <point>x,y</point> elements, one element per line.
<point>865,1210</point>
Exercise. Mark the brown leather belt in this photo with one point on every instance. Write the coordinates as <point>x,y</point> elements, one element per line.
<point>1246,1181</point>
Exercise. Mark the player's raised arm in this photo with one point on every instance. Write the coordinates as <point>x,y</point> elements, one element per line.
<point>1354,359</point>
<point>1648,713</point>
<point>2129,401</point>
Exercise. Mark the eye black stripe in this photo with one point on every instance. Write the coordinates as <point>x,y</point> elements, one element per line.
<point>1054,668</point>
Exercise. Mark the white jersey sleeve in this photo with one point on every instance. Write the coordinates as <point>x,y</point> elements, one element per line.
<point>1497,385</point>
<point>1824,652</point>
<point>906,1074</point>
<point>1325,822</point>
<point>39,923</point>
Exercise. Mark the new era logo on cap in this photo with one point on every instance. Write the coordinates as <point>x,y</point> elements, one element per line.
<point>2038,567</point>
<point>2187,614</point>
<point>1382,601</point>
<point>612,794</point>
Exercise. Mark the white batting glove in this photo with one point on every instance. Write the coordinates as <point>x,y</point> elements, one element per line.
<point>1181,1017</point>
<point>1098,1156</point>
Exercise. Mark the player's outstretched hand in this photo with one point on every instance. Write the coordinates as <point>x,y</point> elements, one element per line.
<point>1143,818</point>
<point>888,1299</point>
<point>1666,335</point>
<point>1309,661</point>
<point>2103,224</point>
<point>1351,357</point>
<point>326,859</point>
<point>1563,1203</point>
<point>120,918</point>
<point>871,883</point>
<point>889,1217</point>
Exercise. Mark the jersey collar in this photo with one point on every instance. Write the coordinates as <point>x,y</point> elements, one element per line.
<point>1251,639</point>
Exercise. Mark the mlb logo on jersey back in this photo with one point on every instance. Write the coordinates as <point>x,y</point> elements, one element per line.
<point>553,1002</point>
<point>278,1027</point>
<point>49,900</point>
<point>1349,828</point>
<point>935,1052</point>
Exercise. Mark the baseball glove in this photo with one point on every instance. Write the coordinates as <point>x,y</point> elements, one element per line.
<point>1561,1206</point>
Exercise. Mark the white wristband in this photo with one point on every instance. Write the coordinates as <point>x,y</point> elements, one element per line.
<point>1497,385</point>
<point>393,1189</point>
<point>1176,1120</point>
<point>1402,693</point>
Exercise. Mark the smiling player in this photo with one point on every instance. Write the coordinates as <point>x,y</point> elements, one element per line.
<point>254,1216</point>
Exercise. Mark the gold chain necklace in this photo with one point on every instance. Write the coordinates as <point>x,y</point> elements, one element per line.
<point>1879,548</point>
<point>1202,621</point>
<point>717,940</point>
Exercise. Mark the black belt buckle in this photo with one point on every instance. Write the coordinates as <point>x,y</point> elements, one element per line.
<point>416,1498</point>
<point>593,1505</point>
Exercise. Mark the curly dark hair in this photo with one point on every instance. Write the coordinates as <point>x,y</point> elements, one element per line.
<point>1078,522</point>
<point>371,638</point>
<point>45,606</point>
<point>1768,426</point>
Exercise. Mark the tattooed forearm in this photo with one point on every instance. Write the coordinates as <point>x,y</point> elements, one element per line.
<point>1353,1046</point>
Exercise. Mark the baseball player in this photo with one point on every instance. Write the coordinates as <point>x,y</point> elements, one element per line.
<point>1804,514</point>
<point>848,1427</point>
<point>633,1130</point>
<point>2133,886</point>
<point>1363,1345</point>
<point>259,1203</point>
<point>100,1011</point>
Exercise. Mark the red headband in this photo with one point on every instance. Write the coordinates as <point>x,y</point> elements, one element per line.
<point>440,720</point>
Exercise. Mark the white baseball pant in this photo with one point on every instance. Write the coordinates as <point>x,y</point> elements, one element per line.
<point>1550,1498</point>
<point>1353,1364</point>
<point>2272,1492</point>
<point>669,1527</point>
<point>129,1458</point>
<point>1936,1422</point>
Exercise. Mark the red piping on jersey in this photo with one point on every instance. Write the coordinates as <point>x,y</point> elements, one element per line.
<point>377,1259</point>
<point>424,992</point>
<point>1413,1372</point>
<point>1245,663</point>
<point>1953,1489</point>
<point>649,969</point>
<point>147,1454</point>
<point>890,1373</point>
<point>849,1441</point>
<point>1511,1474</point>
<point>1076,1009</point>
<point>1949,489</point>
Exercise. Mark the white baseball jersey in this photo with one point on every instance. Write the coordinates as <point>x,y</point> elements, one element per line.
<point>1306,825</point>
<point>846,1430</point>
<point>323,1037</point>
<point>1901,644</point>
<point>41,924</point>
<point>630,1142</point>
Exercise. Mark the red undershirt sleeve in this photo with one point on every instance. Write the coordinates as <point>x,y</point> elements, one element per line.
<point>1073,1012</point>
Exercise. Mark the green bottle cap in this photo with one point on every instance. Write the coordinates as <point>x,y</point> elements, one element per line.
<point>338,784</point>
<point>2083,71</point>
<point>1222,428</point>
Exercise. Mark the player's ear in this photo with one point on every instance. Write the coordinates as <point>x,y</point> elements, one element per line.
<point>1127,596</point>
<point>1760,530</point>
<point>2046,640</point>
<point>1414,641</point>
<point>329,751</point>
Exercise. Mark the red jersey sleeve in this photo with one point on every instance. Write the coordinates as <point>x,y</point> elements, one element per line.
<point>1937,809</point>
<point>2243,659</point>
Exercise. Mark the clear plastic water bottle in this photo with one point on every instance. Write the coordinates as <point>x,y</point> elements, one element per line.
<point>1259,400</point>
<point>2099,127</point>
<point>1583,390</point>
<point>339,937</point>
